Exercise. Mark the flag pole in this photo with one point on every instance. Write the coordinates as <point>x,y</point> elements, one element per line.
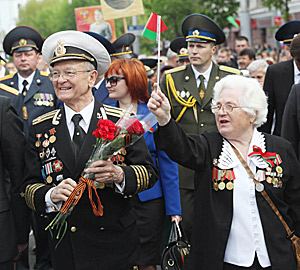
<point>158,48</point>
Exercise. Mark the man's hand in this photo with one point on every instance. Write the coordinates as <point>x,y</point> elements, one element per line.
<point>106,172</point>
<point>159,106</point>
<point>63,190</point>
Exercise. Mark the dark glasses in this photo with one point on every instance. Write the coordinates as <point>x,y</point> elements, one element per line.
<point>113,80</point>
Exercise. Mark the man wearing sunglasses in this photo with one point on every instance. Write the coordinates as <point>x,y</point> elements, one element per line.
<point>60,144</point>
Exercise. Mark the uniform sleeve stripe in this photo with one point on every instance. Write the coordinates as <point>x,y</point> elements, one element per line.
<point>29,194</point>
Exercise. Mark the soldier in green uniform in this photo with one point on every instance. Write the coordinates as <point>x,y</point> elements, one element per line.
<point>189,89</point>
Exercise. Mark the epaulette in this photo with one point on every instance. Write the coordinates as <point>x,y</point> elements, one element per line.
<point>113,111</point>
<point>175,69</point>
<point>44,117</point>
<point>43,73</point>
<point>230,70</point>
<point>9,89</point>
<point>9,76</point>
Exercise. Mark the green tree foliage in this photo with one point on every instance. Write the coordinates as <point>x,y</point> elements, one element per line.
<point>281,5</point>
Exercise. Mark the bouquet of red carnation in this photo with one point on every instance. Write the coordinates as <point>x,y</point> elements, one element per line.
<point>111,138</point>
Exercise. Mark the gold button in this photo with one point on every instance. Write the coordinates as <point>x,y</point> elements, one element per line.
<point>201,110</point>
<point>73,229</point>
<point>202,125</point>
<point>102,228</point>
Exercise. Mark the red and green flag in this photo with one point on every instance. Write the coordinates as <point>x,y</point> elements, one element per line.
<point>150,30</point>
<point>233,21</point>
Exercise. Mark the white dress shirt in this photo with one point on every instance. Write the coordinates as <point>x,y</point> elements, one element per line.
<point>296,73</point>
<point>205,74</point>
<point>246,233</point>
<point>28,79</point>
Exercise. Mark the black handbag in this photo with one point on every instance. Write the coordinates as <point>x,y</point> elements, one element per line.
<point>176,253</point>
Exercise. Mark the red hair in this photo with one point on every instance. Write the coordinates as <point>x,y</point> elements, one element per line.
<point>135,77</point>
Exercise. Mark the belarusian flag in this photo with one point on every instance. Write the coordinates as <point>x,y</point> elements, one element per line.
<point>150,30</point>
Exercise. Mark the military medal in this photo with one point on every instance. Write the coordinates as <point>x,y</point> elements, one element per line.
<point>229,185</point>
<point>122,151</point>
<point>45,143</point>
<point>38,142</point>
<point>25,113</point>
<point>259,187</point>
<point>269,179</point>
<point>42,153</point>
<point>59,177</point>
<point>100,185</point>
<point>57,166</point>
<point>47,153</point>
<point>279,170</point>
<point>53,152</point>
<point>215,186</point>
<point>49,179</point>
<point>221,185</point>
<point>52,138</point>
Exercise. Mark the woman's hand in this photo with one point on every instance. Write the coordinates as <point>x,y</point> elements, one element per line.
<point>176,217</point>
<point>63,190</point>
<point>159,106</point>
<point>106,172</point>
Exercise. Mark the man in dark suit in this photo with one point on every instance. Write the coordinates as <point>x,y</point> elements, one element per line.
<point>279,79</point>
<point>36,90</point>
<point>190,97</point>
<point>14,215</point>
<point>56,161</point>
<point>34,96</point>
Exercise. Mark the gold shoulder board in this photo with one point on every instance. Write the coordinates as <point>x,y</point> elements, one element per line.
<point>9,76</point>
<point>113,111</point>
<point>43,73</point>
<point>9,89</point>
<point>230,70</point>
<point>175,69</point>
<point>44,117</point>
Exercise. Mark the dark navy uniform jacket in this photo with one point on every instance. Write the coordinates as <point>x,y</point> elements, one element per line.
<point>39,99</point>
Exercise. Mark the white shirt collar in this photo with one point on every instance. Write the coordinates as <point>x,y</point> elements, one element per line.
<point>296,73</point>
<point>205,74</point>
<point>29,79</point>
<point>228,159</point>
<point>86,113</point>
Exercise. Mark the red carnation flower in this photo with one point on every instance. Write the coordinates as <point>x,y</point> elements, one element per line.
<point>106,130</point>
<point>135,127</point>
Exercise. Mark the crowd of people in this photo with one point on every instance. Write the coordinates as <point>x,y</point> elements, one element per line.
<point>227,131</point>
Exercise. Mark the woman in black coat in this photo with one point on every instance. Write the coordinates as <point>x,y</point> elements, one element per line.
<point>234,226</point>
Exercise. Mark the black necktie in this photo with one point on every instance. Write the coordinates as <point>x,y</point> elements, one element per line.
<point>201,87</point>
<point>78,135</point>
<point>24,91</point>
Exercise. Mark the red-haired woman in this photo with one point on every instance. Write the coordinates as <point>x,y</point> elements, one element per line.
<point>126,81</point>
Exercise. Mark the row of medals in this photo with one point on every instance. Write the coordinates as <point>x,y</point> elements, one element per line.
<point>221,185</point>
<point>39,101</point>
<point>273,178</point>
<point>45,144</point>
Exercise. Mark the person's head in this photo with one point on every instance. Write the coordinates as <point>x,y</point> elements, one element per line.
<point>42,65</point>
<point>76,60</point>
<point>246,56</point>
<point>127,79</point>
<point>257,70</point>
<point>202,35</point>
<point>284,55</point>
<point>123,46</point>
<point>23,44</point>
<point>179,46</point>
<point>295,50</point>
<point>10,67</point>
<point>248,102</point>
<point>98,15</point>
<point>287,32</point>
<point>223,55</point>
<point>172,59</point>
<point>241,43</point>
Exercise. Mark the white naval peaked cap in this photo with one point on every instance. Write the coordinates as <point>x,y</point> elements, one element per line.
<point>75,45</point>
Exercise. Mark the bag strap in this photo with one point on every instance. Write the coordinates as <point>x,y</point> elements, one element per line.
<point>263,192</point>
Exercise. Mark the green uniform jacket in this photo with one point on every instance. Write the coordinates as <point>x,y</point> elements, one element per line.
<point>197,118</point>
